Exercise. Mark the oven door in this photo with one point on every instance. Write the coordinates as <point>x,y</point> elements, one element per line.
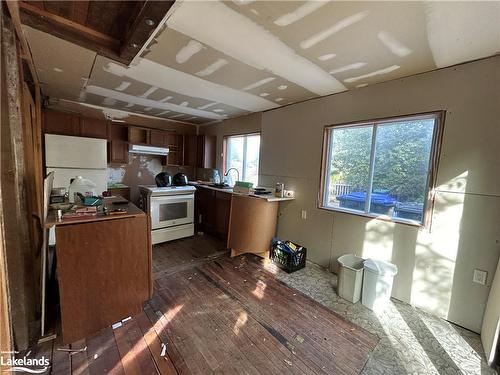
<point>171,210</point>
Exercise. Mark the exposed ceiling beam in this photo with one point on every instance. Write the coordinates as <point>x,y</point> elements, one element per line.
<point>148,18</point>
<point>69,30</point>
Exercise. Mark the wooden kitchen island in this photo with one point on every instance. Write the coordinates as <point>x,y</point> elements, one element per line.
<point>103,267</point>
<point>246,221</point>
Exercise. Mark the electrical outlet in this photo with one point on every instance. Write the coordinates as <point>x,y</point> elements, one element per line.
<point>480,277</point>
<point>303,214</point>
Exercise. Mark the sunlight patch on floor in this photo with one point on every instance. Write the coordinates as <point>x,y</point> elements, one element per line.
<point>240,322</point>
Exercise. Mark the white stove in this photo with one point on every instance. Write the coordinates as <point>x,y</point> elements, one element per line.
<point>168,190</point>
<point>171,209</point>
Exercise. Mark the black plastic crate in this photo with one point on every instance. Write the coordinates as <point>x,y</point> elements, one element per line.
<point>287,259</point>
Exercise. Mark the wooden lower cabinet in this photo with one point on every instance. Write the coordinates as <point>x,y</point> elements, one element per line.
<point>222,212</point>
<point>212,209</point>
<point>104,273</point>
<point>205,209</point>
<point>123,192</point>
<point>253,225</point>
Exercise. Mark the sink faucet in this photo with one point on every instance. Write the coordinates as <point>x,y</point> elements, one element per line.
<point>227,172</point>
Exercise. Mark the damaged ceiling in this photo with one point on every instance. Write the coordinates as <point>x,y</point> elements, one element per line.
<point>209,61</point>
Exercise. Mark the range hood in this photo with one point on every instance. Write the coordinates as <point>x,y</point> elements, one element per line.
<point>149,150</point>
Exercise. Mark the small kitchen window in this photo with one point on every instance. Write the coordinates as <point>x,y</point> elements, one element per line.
<point>242,153</point>
<point>383,168</point>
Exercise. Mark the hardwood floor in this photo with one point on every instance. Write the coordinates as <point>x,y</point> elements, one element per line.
<point>211,314</point>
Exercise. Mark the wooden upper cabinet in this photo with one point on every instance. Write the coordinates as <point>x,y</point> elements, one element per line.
<point>62,123</point>
<point>117,132</point>
<point>206,151</point>
<point>93,128</point>
<point>118,152</point>
<point>190,143</point>
<point>138,136</point>
<point>157,138</point>
<point>173,139</point>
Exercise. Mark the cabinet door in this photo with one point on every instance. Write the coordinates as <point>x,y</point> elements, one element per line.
<point>117,132</point>
<point>222,211</point>
<point>174,157</point>
<point>205,209</point>
<point>62,123</point>
<point>157,138</point>
<point>173,139</point>
<point>200,151</point>
<point>205,151</point>
<point>210,218</point>
<point>118,152</point>
<point>138,136</point>
<point>190,150</point>
<point>210,151</point>
<point>175,143</point>
<point>93,128</point>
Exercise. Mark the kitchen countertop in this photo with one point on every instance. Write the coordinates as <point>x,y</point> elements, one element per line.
<point>268,197</point>
<point>132,211</point>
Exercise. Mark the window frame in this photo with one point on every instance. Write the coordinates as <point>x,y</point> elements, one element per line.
<point>224,151</point>
<point>437,139</point>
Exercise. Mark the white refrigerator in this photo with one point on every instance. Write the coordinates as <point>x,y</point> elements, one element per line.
<point>69,157</point>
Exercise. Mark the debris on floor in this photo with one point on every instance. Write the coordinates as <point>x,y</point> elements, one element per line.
<point>163,352</point>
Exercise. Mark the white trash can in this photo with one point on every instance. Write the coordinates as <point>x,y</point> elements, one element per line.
<point>350,277</point>
<point>377,283</point>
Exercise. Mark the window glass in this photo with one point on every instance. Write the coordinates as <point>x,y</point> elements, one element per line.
<point>252,159</point>
<point>234,154</point>
<point>402,151</point>
<point>349,167</point>
<point>242,153</point>
<point>380,168</point>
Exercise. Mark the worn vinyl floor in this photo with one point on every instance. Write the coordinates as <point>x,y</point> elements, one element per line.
<point>213,314</point>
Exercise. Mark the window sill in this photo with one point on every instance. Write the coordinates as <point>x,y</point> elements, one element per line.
<point>386,218</point>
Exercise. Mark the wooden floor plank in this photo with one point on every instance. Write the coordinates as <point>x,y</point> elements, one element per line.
<point>79,360</point>
<point>103,355</point>
<point>134,352</point>
<point>221,344</point>
<point>235,324</point>
<point>279,328</point>
<point>61,360</point>
<point>162,329</point>
<point>219,315</point>
<point>164,364</point>
<point>330,346</point>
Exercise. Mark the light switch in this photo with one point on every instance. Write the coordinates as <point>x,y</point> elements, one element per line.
<point>480,277</point>
<point>303,214</point>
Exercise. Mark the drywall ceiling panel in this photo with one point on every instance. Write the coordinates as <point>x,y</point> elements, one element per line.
<point>462,31</point>
<point>62,67</point>
<point>90,110</point>
<point>183,53</point>
<point>214,60</point>
<point>351,39</point>
<point>101,78</point>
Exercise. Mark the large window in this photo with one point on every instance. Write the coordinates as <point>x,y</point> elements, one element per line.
<point>242,152</point>
<point>381,168</point>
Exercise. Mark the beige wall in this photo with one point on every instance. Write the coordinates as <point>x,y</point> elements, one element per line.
<point>435,266</point>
